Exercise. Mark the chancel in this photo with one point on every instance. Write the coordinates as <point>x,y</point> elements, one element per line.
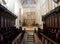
<point>29,21</point>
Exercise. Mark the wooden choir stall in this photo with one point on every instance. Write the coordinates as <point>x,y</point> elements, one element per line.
<point>9,34</point>
<point>51,27</point>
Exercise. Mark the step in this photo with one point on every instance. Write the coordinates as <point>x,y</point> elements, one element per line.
<point>31,38</point>
<point>30,35</point>
<point>31,43</point>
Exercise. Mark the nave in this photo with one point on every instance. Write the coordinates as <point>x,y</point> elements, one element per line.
<point>10,34</point>
<point>31,38</point>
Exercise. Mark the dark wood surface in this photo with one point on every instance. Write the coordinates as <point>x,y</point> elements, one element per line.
<point>7,18</point>
<point>51,25</point>
<point>37,40</point>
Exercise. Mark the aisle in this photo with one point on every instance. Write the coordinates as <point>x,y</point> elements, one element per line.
<point>31,38</point>
<point>28,38</point>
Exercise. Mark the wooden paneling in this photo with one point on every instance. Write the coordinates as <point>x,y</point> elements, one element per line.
<point>52,24</point>
<point>56,20</point>
<point>59,21</point>
<point>7,18</point>
<point>52,18</point>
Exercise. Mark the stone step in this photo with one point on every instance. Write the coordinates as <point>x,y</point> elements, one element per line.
<point>31,43</point>
<point>31,38</point>
<point>30,35</point>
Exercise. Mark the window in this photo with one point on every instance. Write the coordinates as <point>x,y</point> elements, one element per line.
<point>28,2</point>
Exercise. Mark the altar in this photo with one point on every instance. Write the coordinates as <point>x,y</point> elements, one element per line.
<point>30,29</point>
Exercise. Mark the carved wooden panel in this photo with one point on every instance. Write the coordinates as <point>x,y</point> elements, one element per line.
<point>50,21</point>
<point>56,21</point>
<point>59,21</point>
<point>52,18</point>
<point>1,21</point>
<point>47,22</point>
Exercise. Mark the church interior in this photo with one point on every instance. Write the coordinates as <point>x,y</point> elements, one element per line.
<point>29,21</point>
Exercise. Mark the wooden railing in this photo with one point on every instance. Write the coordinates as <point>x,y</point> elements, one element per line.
<point>18,39</point>
<point>46,40</point>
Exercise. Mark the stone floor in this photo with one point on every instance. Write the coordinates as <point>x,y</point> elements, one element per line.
<point>31,38</point>
<point>28,38</point>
